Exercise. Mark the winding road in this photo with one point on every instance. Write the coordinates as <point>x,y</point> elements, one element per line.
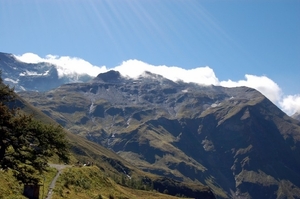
<point>59,168</point>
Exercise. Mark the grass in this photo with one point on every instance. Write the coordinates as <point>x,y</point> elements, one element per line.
<point>46,181</point>
<point>77,182</point>
<point>11,189</point>
<point>91,182</point>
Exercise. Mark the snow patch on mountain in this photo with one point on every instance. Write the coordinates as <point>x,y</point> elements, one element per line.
<point>33,73</point>
<point>11,80</point>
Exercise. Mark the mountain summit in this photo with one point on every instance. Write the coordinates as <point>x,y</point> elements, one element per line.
<point>110,76</point>
<point>234,140</point>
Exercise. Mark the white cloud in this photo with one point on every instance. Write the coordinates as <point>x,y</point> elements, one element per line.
<point>261,83</point>
<point>30,58</point>
<point>290,104</point>
<point>201,75</point>
<point>11,80</point>
<point>65,65</point>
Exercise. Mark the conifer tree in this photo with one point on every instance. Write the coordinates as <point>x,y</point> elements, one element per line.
<point>27,144</point>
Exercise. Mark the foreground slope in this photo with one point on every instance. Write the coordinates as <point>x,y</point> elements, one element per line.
<point>88,182</point>
<point>231,139</point>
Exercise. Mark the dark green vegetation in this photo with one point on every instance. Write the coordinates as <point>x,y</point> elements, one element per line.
<point>27,144</point>
<point>232,139</point>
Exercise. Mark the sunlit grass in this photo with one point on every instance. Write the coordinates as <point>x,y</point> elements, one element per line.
<point>91,182</point>
<point>11,189</point>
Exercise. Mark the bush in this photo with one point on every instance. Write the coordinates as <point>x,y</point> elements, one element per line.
<point>100,196</point>
<point>111,196</point>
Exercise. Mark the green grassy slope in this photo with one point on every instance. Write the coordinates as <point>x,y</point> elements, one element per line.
<point>11,189</point>
<point>114,167</point>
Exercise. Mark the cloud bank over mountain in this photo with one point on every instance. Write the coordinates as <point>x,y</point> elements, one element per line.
<point>65,65</point>
<point>261,83</point>
<point>202,75</point>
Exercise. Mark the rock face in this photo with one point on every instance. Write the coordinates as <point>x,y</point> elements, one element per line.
<point>296,116</point>
<point>34,77</point>
<point>232,139</point>
<point>110,76</point>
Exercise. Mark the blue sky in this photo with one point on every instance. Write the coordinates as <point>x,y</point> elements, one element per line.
<point>233,38</point>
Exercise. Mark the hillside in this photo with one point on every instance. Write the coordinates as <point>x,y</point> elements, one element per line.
<point>79,182</point>
<point>90,182</point>
<point>11,189</point>
<point>232,139</point>
<point>116,169</point>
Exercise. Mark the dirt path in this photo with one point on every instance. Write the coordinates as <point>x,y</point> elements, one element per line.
<point>59,168</point>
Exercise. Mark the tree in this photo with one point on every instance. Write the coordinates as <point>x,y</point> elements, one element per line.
<point>25,143</point>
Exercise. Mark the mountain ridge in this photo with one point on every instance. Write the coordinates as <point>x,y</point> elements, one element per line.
<point>296,115</point>
<point>220,137</point>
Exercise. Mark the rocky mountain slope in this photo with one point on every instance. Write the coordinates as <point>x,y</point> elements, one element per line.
<point>231,139</point>
<point>116,170</point>
<point>296,116</point>
<point>34,77</point>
